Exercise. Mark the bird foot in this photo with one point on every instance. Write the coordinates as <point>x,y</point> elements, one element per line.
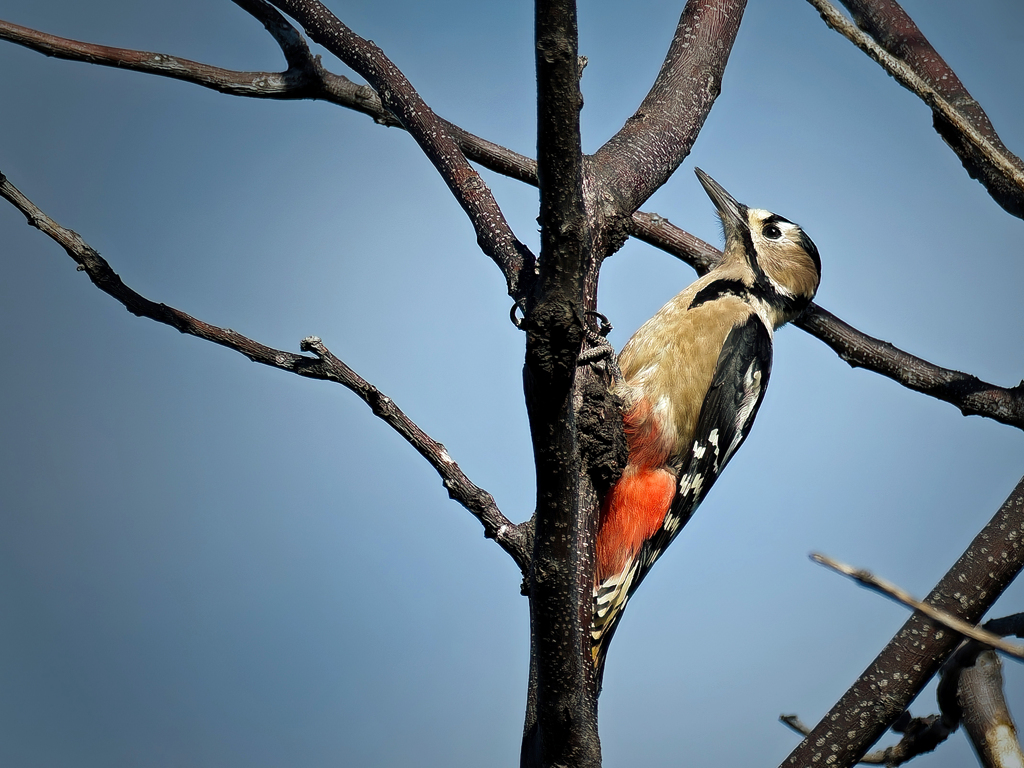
<point>600,353</point>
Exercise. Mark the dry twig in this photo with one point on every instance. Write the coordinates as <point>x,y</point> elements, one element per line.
<point>887,588</point>
<point>517,540</point>
<point>308,79</point>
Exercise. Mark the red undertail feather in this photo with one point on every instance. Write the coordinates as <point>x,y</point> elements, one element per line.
<point>636,505</point>
<point>633,510</point>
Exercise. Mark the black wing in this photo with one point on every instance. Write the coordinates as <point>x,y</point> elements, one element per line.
<point>726,416</point>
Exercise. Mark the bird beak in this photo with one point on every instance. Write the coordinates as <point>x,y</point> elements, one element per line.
<point>733,214</point>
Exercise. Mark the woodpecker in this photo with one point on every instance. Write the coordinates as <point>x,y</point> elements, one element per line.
<point>692,379</point>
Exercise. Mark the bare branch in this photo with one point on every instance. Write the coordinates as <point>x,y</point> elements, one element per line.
<point>920,735</point>
<point>916,653</point>
<point>968,393</point>
<point>794,723</point>
<point>971,691</point>
<point>293,45</point>
<point>305,78</point>
<point>957,117</point>
<point>397,95</point>
<point>514,539</point>
<point>1007,625</point>
<point>965,694</point>
<point>887,588</point>
<point>657,138</point>
<point>517,540</point>
<point>987,719</point>
<point>890,25</point>
<point>253,84</point>
<point>661,233</point>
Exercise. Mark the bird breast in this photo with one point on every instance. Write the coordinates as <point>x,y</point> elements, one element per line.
<point>668,366</point>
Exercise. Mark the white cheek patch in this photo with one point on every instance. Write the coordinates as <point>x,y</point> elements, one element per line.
<point>783,290</point>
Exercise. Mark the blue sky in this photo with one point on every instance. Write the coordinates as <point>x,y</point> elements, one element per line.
<point>205,562</point>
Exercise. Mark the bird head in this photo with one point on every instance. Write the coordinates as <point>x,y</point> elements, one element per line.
<point>784,265</point>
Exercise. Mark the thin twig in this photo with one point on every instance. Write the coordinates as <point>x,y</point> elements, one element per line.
<point>306,78</point>
<point>295,83</point>
<point>885,689</point>
<point>517,540</point>
<point>887,588</point>
<point>512,538</point>
<point>969,136</point>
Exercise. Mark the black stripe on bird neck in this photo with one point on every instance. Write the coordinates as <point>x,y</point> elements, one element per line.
<point>718,288</point>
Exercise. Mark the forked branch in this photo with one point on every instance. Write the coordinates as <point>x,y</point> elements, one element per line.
<point>986,717</point>
<point>300,81</point>
<point>900,595</point>
<point>971,395</point>
<point>305,78</point>
<point>970,692</point>
<point>920,736</point>
<point>517,540</point>
<point>915,654</point>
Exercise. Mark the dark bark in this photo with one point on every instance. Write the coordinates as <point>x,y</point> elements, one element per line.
<point>297,82</point>
<point>895,31</point>
<point>918,650</point>
<point>561,721</point>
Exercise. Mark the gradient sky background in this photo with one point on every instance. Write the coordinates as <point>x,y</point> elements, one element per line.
<point>205,562</point>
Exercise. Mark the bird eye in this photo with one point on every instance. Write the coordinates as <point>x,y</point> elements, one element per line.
<point>772,232</point>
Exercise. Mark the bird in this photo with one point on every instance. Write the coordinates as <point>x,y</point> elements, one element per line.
<point>691,381</point>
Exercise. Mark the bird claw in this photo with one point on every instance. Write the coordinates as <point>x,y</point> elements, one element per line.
<point>600,353</point>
